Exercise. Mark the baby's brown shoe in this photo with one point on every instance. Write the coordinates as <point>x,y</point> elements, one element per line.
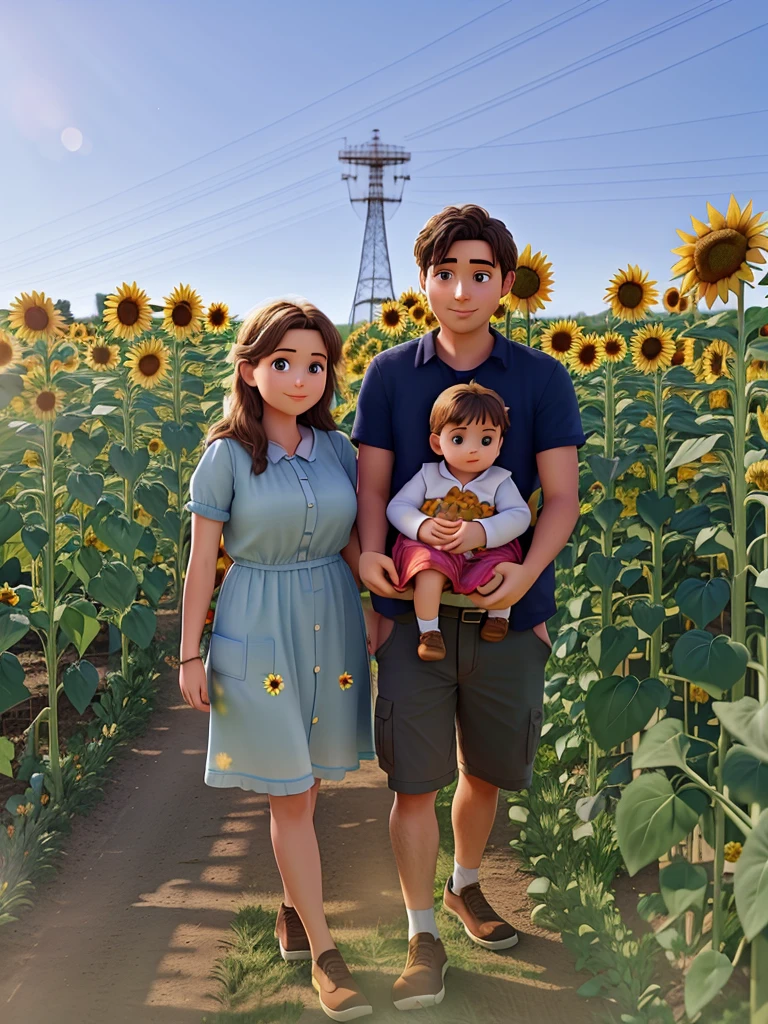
<point>431,645</point>
<point>494,629</point>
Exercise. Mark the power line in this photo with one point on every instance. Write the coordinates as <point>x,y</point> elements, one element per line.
<point>579,65</point>
<point>604,199</point>
<point>602,167</point>
<point>608,92</point>
<point>290,151</point>
<point>616,181</point>
<point>560,139</point>
<point>256,131</point>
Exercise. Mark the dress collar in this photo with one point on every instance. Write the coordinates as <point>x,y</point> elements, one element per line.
<point>426,348</point>
<point>305,449</point>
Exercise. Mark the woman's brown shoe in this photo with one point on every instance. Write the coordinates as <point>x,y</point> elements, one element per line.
<point>431,646</point>
<point>340,998</point>
<point>290,933</point>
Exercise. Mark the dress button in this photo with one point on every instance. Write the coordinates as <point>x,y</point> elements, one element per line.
<point>310,505</point>
<point>317,668</point>
<point>317,626</point>
<point>315,721</point>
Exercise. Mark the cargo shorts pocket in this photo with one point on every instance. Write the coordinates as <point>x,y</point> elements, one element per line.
<point>534,734</point>
<point>383,733</point>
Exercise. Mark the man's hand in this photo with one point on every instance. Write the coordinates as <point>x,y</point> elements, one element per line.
<point>376,572</point>
<point>467,537</point>
<point>517,582</point>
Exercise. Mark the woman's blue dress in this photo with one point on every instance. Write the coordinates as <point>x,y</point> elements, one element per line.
<point>288,668</point>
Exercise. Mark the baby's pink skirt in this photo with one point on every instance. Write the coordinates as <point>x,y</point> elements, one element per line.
<point>464,574</point>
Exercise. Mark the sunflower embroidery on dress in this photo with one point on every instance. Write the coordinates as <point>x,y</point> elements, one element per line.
<point>345,680</point>
<point>219,704</point>
<point>223,761</point>
<point>273,684</point>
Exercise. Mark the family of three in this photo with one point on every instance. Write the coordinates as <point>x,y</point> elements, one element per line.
<point>454,433</point>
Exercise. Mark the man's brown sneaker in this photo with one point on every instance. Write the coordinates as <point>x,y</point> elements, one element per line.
<point>481,922</point>
<point>494,629</point>
<point>290,933</point>
<point>431,646</point>
<point>421,983</point>
<point>340,998</point>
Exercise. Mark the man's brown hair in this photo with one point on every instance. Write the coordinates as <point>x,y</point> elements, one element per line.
<point>466,223</point>
<point>468,403</point>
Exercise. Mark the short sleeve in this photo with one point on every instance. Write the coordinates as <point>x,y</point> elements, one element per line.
<point>346,453</point>
<point>373,416</point>
<point>557,422</point>
<point>212,485</point>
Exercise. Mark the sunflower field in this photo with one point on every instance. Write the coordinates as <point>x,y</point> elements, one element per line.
<point>654,755</point>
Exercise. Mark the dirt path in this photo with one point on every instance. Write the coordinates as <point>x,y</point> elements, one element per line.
<point>128,930</point>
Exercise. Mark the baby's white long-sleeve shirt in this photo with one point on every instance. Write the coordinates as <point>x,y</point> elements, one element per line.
<point>494,486</point>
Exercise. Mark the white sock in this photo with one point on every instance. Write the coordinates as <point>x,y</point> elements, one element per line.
<point>422,921</point>
<point>425,625</point>
<point>499,613</point>
<point>463,877</point>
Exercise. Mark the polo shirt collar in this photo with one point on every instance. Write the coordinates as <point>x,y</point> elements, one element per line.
<point>427,350</point>
<point>305,449</point>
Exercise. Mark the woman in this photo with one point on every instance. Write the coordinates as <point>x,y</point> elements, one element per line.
<point>288,670</point>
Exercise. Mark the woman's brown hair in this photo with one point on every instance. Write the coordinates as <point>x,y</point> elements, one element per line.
<point>466,223</point>
<point>259,335</point>
<point>468,403</point>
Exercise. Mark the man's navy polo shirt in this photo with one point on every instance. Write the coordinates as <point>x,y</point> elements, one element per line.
<point>393,408</point>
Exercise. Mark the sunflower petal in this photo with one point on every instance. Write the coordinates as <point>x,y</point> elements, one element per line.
<point>699,227</point>
<point>716,219</point>
<point>746,216</point>
<point>733,215</point>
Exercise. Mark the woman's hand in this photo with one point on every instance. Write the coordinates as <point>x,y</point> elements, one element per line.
<point>193,684</point>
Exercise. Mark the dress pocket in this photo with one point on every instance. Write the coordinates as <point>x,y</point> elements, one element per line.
<point>383,727</point>
<point>227,656</point>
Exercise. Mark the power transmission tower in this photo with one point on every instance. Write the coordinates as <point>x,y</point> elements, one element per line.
<point>374,278</point>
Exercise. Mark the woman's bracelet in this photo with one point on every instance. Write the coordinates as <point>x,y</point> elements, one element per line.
<point>197,657</point>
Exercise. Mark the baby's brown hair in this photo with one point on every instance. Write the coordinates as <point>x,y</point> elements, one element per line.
<point>468,403</point>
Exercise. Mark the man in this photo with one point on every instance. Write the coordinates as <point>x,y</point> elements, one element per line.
<point>491,692</point>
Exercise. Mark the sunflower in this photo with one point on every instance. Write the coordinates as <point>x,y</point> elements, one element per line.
<point>500,313</point>
<point>719,399</point>
<point>671,300</point>
<point>183,312</point>
<point>8,595</point>
<point>155,446</point>
<point>418,311</point>
<point>410,298</point>
<point>223,761</point>
<point>697,694</point>
<point>78,332</point>
<point>585,355</point>
<point>68,365</point>
<point>757,370</point>
<point>762,422</point>
<point>31,459</point>
<point>732,852</point>
<point>757,474</point>
<point>714,361</point>
<point>560,337</point>
<point>10,351</point>
<point>631,294</point>
<point>392,318</point>
<point>683,304</point>
<point>628,497</point>
<point>101,356</point>
<point>345,680</point>
<point>533,281</point>
<point>35,316</point>
<point>686,473</point>
<point>217,318</point>
<point>430,321</point>
<point>716,258</point>
<point>684,352</point>
<point>127,312</point>
<point>273,684</point>
<point>44,400</point>
<point>653,347</point>
<point>763,332</point>
<point>148,363</point>
<point>519,334</point>
<point>358,366</point>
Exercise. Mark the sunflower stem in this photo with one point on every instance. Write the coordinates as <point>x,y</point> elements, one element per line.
<point>49,603</point>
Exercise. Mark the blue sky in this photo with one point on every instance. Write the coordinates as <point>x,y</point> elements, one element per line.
<point>101,98</point>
